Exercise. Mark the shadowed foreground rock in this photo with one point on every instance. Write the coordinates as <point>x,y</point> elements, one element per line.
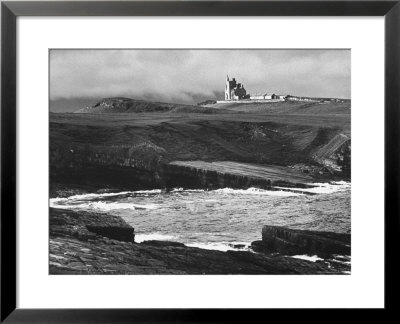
<point>85,225</point>
<point>74,249</point>
<point>291,242</point>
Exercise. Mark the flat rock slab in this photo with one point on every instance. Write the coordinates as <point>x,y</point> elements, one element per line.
<point>70,255</point>
<point>291,242</point>
<point>85,225</point>
<point>272,173</point>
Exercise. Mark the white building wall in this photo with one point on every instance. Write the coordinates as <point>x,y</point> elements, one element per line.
<point>257,97</point>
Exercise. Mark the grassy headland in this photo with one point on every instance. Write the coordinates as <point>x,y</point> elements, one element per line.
<point>129,143</point>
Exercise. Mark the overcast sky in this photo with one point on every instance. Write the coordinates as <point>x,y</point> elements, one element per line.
<point>189,76</point>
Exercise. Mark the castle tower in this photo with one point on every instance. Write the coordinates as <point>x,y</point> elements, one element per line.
<point>227,89</point>
<point>231,87</point>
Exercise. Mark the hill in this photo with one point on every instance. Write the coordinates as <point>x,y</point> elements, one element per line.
<point>127,105</point>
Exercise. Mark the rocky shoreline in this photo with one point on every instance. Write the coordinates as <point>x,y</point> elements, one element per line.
<point>165,147</point>
<point>98,243</point>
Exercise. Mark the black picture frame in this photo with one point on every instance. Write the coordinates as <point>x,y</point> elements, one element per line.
<point>9,13</point>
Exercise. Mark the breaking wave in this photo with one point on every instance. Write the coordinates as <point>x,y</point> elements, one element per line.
<point>101,205</point>
<point>94,196</point>
<point>76,201</point>
<point>187,190</point>
<point>312,258</point>
<point>257,191</point>
<point>221,246</point>
<point>139,238</point>
<point>322,188</point>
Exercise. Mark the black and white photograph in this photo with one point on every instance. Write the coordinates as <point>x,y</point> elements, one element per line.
<point>200,161</point>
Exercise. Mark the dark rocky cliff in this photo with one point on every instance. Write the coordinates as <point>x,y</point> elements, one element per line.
<point>291,242</point>
<point>134,152</point>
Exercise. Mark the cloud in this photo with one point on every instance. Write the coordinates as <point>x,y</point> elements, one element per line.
<point>184,75</point>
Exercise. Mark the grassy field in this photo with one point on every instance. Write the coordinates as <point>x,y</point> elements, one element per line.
<point>288,107</point>
<point>307,114</point>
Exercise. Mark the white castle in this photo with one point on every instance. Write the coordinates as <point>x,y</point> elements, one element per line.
<point>236,91</point>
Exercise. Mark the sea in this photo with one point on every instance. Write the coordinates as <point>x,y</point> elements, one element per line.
<point>222,219</point>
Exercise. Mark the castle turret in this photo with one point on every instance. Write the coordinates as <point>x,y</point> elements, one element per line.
<point>227,89</point>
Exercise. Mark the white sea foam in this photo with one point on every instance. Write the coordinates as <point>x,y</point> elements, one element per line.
<point>322,188</point>
<point>94,196</point>
<point>318,188</point>
<point>345,259</point>
<point>220,246</point>
<point>186,190</point>
<point>153,191</point>
<point>257,191</point>
<point>313,258</point>
<point>100,205</point>
<point>139,238</point>
<point>89,196</point>
<point>341,183</point>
